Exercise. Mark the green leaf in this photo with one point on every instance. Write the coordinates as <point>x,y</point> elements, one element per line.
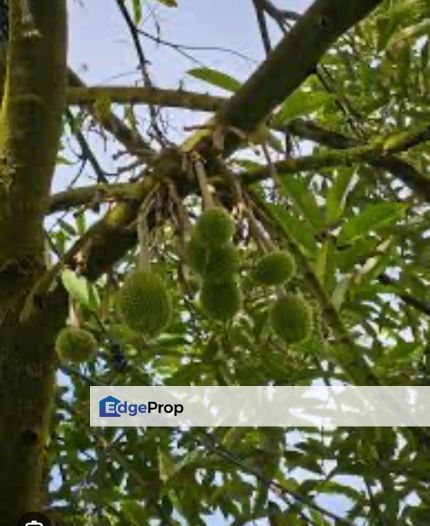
<point>402,352</point>
<point>407,35</point>
<point>302,103</point>
<point>336,196</point>
<point>134,512</point>
<point>373,217</point>
<point>137,11</point>
<point>166,465</point>
<point>168,3</point>
<point>216,78</point>
<point>325,267</point>
<point>67,228</point>
<point>297,229</point>
<point>79,288</point>
<point>297,189</point>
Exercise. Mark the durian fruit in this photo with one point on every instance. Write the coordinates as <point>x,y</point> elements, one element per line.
<point>215,227</point>
<point>221,301</point>
<point>196,255</point>
<point>222,263</point>
<point>274,268</point>
<point>291,318</point>
<point>75,345</point>
<point>144,303</point>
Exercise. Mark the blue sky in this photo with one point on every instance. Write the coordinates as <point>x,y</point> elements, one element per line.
<point>98,38</point>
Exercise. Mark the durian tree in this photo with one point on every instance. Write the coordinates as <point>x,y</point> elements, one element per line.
<point>280,240</point>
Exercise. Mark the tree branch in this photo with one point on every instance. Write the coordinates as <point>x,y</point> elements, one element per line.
<point>131,139</point>
<point>93,195</point>
<point>411,300</point>
<point>138,95</point>
<point>398,167</point>
<point>374,153</point>
<point>292,61</point>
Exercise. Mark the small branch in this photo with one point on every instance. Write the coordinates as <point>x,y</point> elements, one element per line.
<point>411,300</point>
<point>279,14</point>
<point>379,153</point>
<point>170,98</point>
<point>131,139</point>
<point>92,195</point>
<point>143,64</point>
<point>86,152</point>
<point>262,24</point>
<point>203,184</point>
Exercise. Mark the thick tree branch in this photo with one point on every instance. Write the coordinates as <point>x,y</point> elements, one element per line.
<point>292,61</point>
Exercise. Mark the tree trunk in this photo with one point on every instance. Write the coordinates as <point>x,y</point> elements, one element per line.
<point>27,388</point>
<point>30,127</point>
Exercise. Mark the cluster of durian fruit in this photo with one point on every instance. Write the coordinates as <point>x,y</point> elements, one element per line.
<point>145,306</point>
<point>211,254</point>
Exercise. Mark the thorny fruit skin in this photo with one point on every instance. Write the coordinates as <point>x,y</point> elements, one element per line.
<point>144,303</point>
<point>215,227</point>
<point>196,255</point>
<point>221,301</point>
<point>75,345</point>
<point>222,263</point>
<point>275,268</point>
<point>291,318</point>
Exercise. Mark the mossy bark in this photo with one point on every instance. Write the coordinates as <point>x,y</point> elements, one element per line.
<point>27,388</point>
<point>30,127</point>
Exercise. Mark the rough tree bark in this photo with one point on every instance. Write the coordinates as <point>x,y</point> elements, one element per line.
<point>30,127</point>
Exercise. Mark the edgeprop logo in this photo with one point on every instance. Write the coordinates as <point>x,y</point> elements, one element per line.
<point>113,407</point>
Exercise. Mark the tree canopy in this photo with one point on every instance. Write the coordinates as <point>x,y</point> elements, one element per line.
<point>279,237</point>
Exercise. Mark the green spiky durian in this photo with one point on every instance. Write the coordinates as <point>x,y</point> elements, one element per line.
<point>196,255</point>
<point>144,302</point>
<point>274,268</point>
<point>291,318</point>
<point>222,263</point>
<point>75,345</point>
<point>215,227</point>
<point>221,301</point>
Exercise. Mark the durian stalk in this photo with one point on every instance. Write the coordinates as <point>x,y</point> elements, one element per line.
<point>182,213</point>
<point>208,201</point>
<point>255,227</point>
<point>143,238</point>
<point>256,230</point>
<point>73,315</point>
<point>184,231</point>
